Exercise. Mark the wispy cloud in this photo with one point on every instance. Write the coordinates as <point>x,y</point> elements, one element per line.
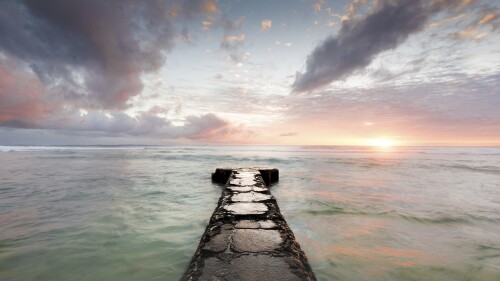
<point>231,41</point>
<point>317,5</point>
<point>452,108</point>
<point>266,24</point>
<point>488,18</point>
<point>290,134</point>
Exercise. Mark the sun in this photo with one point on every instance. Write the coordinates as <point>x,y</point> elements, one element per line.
<point>381,142</point>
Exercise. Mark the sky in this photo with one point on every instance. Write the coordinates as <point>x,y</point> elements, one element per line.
<point>294,72</point>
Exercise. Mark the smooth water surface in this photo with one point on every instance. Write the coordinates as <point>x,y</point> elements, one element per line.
<point>137,213</point>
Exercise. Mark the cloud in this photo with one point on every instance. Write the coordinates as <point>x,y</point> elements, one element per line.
<point>266,24</point>
<point>488,18</point>
<point>477,29</point>
<point>358,42</point>
<point>290,134</point>
<point>193,8</point>
<point>467,33</point>
<point>206,24</point>
<point>117,123</point>
<point>234,38</point>
<point>207,126</point>
<point>353,7</point>
<point>445,20</point>
<point>73,67</point>
<point>287,44</point>
<point>461,107</point>
<point>92,53</point>
<point>21,101</point>
<point>317,5</point>
<point>229,25</point>
<point>232,44</point>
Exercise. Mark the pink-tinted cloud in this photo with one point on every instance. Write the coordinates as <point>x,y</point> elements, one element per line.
<point>143,124</point>
<point>73,66</point>
<point>91,52</point>
<point>459,110</point>
<point>21,98</point>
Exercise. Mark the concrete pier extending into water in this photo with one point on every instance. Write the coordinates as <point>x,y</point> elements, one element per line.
<point>247,238</point>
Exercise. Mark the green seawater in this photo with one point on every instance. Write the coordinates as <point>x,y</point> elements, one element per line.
<point>137,213</point>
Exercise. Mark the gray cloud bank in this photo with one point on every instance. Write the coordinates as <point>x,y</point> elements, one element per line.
<point>358,42</point>
<point>91,52</point>
<point>97,123</point>
<point>57,56</point>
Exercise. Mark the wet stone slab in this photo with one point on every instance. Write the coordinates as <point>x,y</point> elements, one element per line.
<point>259,189</point>
<point>267,224</point>
<point>243,181</point>
<point>238,188</point>
<point>256,240</point>
<point>220,242</point>
<point>246,208</point>
<point>248,268</point>
<point>245,174</point>
<point>250,197</point>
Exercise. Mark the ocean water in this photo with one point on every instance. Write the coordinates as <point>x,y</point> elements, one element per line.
<point>137,213</point>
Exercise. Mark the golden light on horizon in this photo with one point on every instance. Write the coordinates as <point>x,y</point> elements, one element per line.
<point>381,142</point>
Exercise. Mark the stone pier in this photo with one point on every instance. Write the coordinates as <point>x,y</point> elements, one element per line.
<point>247,238</point>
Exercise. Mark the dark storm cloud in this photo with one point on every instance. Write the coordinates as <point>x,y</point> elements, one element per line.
<point>91,52</point>
<point>358,42</point>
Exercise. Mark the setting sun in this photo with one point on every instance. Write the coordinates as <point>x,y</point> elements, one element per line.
<point>381,142</point>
